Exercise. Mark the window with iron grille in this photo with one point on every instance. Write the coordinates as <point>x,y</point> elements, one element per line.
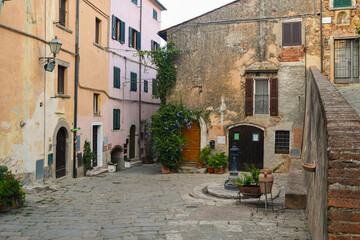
<point>133,81</point>
<point>282,142</point>
<point>61,80</point>
<point>346,61</point>
<point>62,12</point>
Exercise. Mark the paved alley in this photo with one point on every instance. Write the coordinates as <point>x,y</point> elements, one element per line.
<point>141,203</point>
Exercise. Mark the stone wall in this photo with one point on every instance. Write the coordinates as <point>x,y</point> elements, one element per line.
<point>332,142</point>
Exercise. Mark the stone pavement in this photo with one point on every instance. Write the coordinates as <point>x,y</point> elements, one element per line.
<point>351,92</point>
<point>140,203</point>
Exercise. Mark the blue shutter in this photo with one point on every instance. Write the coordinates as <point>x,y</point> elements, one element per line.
<point>138,40</point>
<point>130,36</point>
<point>122,32</point>
<point>113,27</point>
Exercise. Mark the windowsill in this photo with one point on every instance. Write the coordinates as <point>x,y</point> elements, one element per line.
<point>293,46</point>
<point>99,46</point>
<point>97,115</point>
<point>342,8</point>
<point>62,96</point>
<point>64,28</point>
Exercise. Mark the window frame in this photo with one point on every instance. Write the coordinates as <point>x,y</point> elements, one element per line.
<point>257,94</point>
<point>97,30</point>
<point>155,14</point>
<point>282,142</point>
<point>61,79</point>
<point>117,77</point>
<point>134,38</point>
<point>343,6</point>
<point>292,41</point>
<point>63,13</point>
<point>352,78</point>
<point>116,119</point>
<point>153,87</point>
<point>118,29</point>
<point>96,104</point>
<point>133,81</point>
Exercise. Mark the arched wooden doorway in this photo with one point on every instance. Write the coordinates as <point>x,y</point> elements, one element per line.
<point>132,141</point>
<point>250,141</point>
<point>191,148</point>
<point>61,153</point>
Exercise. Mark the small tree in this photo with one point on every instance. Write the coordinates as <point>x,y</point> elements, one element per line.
<point>88,156</point>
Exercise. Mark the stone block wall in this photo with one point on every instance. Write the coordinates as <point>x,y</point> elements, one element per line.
<point>332,142</point>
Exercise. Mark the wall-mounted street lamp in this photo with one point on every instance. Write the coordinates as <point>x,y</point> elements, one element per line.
<point>55,46</point>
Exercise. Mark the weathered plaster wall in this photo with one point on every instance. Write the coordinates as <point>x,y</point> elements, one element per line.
<point>218,48</point>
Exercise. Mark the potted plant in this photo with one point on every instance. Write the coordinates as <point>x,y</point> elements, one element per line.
<point>220,162</point>
<point>248,185</point>
<point>88,157</point>
<point>204,156</point>
<point>210,165</point>
<point>11,193</point>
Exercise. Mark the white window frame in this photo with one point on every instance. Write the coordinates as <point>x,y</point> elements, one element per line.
<point>254,96</point>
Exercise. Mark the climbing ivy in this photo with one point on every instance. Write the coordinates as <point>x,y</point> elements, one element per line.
<point>163,59</point>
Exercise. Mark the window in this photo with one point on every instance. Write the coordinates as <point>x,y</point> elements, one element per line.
<point>282,142</point>
<point>291,34</point>
<point>133,77</point>
<point>135,2</point>
<point>96,104</point>
<point>154,45</point>
<point>116,77</point>
<point>97,30</point>
<point>146,87</point>
<point>257,96</point>
<point>346,61</point>
<point>62,12</point>
<point>118,29</point>
<point>154,14</point>
<point>116,119</point>
<point>134,38</point>
<point>261,96</point>
<point>342,3</point>
<point>154,87</point>
<point>61,80</point>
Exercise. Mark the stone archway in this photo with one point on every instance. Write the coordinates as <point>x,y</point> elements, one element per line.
<point>116,153</point>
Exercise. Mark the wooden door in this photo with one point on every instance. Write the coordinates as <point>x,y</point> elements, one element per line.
<point>250,141</point>
<point>61,153</point>
<point>191,149</point>
<point>95,144</point>
<point>132,142</point>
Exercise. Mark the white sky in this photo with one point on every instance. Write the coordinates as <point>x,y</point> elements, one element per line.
<point>179,11</point>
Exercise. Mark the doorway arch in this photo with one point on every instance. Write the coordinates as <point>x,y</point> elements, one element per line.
<point>60,165</point>
<point>250,141</point>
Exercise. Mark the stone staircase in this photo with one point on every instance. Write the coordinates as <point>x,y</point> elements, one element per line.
<point>295,196</point>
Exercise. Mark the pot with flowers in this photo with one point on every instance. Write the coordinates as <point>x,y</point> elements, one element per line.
<point>11,193</point>
<point>248,184</point>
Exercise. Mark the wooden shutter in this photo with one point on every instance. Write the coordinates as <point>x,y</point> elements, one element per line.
<point>130,36</point>
<point>274,97</point>
<point>296,33</point>
<point>113,27</point>
<point>249,97</point>
<point>122,32</point>
<point>286,34</point>
<point>138,40</point>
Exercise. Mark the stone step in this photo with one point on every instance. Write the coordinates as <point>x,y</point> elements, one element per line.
<point>193,170</point>
<point>136,163</point>
<point>97,171</point>
<point>295,195</point>
<point>188,164</point>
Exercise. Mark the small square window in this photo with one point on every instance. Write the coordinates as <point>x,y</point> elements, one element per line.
<point>133,82</point>
<point>145,86</point>
<point>61,80</point>
<point>155,14</point>
<point>96,104</point>
<point>282,142</point>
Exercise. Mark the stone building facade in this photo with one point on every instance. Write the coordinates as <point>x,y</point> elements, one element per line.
<point>244,65</point>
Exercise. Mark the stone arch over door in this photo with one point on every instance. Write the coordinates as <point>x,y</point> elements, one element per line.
<point>249,139</point>
<point>132,142</point>
<point>62,133</point>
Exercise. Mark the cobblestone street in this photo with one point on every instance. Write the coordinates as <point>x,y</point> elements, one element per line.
<point>140,203</point>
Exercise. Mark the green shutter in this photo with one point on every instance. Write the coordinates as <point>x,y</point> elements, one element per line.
<point>154,91</point>
<point>152,45</point>
<point>116,119</point>
<point>133,82</point>
<point>122,32</point>
<point>145,86</point>
<point>157,46</point>
<point>113,27</point>
<point>342,3</point>
<point>138,40</point>
<point>155,14</point>
<point>116,77</point>
<point>130,36</point>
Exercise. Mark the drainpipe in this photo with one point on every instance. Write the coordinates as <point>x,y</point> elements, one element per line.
<point>44,96</point>
<point>321,39</point>
<point>76,83</point>
<point>141,5</point>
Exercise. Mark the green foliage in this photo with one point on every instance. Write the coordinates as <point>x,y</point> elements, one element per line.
<point>88,156</point>
<point>255,172</point>
<point>163,59</point>
<point>166,131</point>
<point>246,181</point>
<point>252,179</point>
<point>11,192</point>
<point>204,155</point>
<point>277,167</point>
<point>219,160</point>
<point>358,31</point>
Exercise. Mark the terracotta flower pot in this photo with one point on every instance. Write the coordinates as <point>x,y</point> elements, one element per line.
<point>219,170</point>
<point>250,191</point>
<point>210,169</point>
<point>165,169</point>
<point>199,165</point>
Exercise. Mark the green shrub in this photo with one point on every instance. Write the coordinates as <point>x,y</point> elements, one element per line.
<point>11,192</point>
<point>88,156</point>
<point>246,181</point>
<point>204,155</point>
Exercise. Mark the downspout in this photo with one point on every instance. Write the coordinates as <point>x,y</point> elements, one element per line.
<point>321,39</point>
<point>139,141</point>
<point>76,83</point>
<point>44,95</point>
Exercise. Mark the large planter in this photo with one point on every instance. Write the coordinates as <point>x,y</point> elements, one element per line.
<point>266,180</point>
<point>220,170</point>
<point>250,192</point>
<point>165,169</point>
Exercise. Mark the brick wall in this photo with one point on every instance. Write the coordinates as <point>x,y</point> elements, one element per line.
<point>292,54</point>
<point>340,167</point>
